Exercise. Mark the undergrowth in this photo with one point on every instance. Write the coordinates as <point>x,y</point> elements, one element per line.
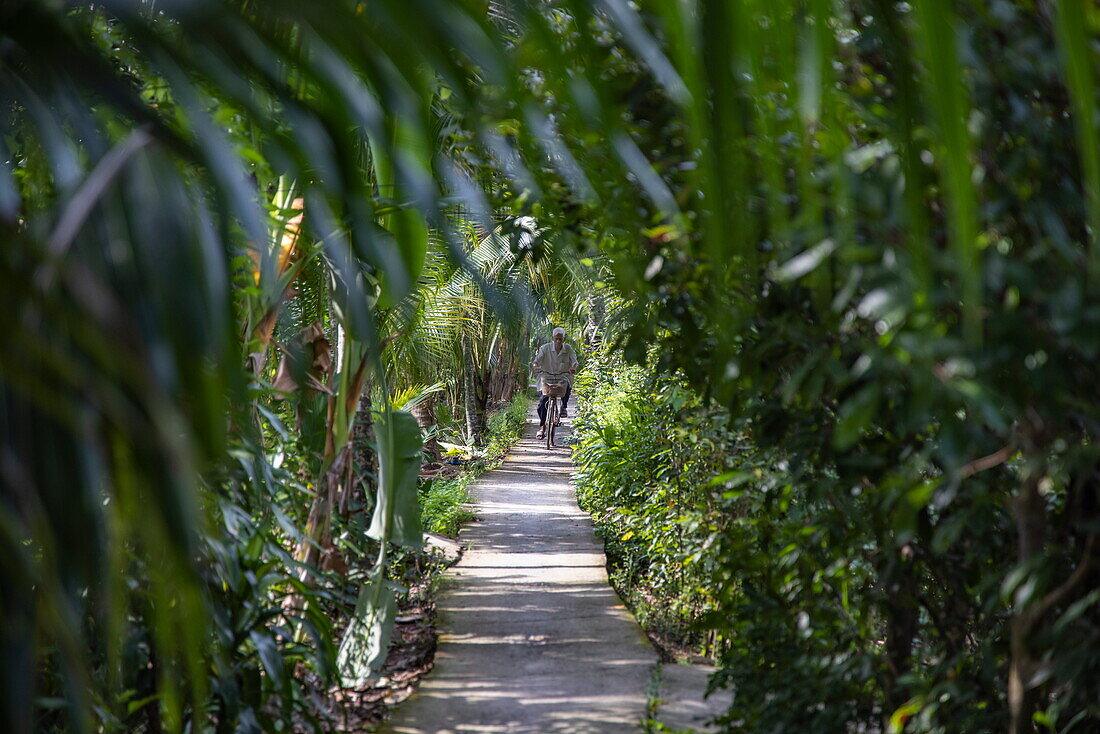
<point>640,472</point>
<point>443,502</point>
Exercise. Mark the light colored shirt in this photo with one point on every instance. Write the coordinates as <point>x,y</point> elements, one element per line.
<point>550,360</point>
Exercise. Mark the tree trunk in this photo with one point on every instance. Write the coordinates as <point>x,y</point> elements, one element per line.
<point>469,377</point>
<point>316,534</point>
<point>482,387</point>
<point>334,488</point>
<point>364,464</point>
<point>1029,511</point>
<point>593,332</point>
<point>498,380</point>
<point>902,609</point>
<point>508,382</point>
<point>425,418</point>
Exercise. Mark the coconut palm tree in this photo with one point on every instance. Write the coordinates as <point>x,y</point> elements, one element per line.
<point>474,322</point>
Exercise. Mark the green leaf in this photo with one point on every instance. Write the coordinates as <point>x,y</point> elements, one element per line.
<point>1042,718</point>
<point>901,715</point>
<point>275,421</point>
<point>411,232</point>
<point>367,639</point>
<point>855,415</point>
<point>269,655</point>
<point>938,33</point>
<point>805,262</point>
<point>133,706</point>
<point>1078,62</point>
<point>397,514</point>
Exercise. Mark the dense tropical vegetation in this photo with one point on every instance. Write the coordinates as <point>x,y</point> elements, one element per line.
<point>837,263</point>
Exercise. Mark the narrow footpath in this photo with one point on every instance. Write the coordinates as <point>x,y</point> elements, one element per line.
<point>532,637</point>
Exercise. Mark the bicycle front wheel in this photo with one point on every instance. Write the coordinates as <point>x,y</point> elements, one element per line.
<point>551,422</point>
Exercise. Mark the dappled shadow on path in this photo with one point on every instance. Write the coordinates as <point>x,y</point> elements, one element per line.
<point>533,639</point>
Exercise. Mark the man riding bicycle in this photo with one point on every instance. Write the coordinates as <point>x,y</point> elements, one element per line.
<point>555,362</point>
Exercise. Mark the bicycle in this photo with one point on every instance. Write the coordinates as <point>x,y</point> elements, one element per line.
<point>555,390</point>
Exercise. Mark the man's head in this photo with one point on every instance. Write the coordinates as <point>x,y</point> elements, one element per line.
<point>558,336</point>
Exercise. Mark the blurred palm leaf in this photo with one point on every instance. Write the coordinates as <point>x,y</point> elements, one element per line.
<point>136,142</point>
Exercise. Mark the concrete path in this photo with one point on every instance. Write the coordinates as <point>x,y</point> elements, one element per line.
<point>532,637</point>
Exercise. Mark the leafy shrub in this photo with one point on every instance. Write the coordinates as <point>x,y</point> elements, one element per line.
<point>442,503</point>
<point>505,426</point>
<point>786,573</point>
<point>645,454</point>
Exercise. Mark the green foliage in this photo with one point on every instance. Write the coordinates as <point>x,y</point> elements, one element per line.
<point>442,504</point>
<point>151,160</point>
<point>263,635</point>
<point>505,427</point>
<point>396,519</point>
<point>883,283</point>
<point>853,242</point>
<point>777,569</point>
<point>647,449</point>
<point>395,516</point>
